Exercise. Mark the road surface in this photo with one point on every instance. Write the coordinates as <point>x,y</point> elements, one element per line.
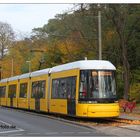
<point>19,123</point>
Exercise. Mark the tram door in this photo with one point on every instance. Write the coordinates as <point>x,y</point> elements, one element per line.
<point>35,94</point>
<point>38,89</point>
<point>71,101</point>
<point>37,103</point>
<point>11,102</point>
<point>12,94</point>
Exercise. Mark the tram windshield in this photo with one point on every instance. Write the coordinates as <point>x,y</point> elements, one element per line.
<point>97,86</point>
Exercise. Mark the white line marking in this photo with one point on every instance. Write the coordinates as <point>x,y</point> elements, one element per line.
<point>84,132</point>
<point>68,132</point>
<point>18,129</point>
<point>33,133</point>
<point>11,131</point>
<point>51,133</point>
<point>5,123</point>
<point>16,135</point>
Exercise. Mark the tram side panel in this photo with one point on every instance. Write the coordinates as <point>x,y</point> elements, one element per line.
<point>39,91</point>
<point>63,95</point>
<point>3,94</point>
<point>0,93</point>
<point>23,99</point>
<point>12,93</point>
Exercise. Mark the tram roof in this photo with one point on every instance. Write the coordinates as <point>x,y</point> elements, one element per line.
<point>26,75</point>
<point>40,72</point>
<point>13,78</point>
<point>4,80</point>
<point>85,65</point>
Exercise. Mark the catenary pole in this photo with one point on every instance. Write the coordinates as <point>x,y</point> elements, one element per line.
<point>99,33</point>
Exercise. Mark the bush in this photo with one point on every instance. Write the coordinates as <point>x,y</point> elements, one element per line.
<point>135,91</point>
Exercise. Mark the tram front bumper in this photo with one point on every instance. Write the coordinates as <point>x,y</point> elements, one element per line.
<point>103,110</point>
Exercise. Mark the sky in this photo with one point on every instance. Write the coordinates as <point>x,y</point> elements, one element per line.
<point>24,17</point>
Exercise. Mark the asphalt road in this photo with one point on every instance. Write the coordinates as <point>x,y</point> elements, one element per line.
<point>19,123</point>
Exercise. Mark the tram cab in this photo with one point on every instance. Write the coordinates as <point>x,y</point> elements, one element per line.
<point>92,90</point>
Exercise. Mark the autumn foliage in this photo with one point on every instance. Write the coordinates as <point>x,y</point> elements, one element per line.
<point>73,36</point>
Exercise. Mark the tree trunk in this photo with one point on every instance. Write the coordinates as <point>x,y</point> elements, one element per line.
<point>126,68</point>
<point>126,79</point>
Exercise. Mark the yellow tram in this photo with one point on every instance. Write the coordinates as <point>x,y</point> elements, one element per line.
<point>83,88</point>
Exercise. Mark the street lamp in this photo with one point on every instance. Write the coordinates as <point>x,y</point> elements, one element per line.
<point>29,62</point>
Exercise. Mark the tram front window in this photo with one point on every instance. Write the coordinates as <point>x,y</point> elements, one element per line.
<point>97,86</point>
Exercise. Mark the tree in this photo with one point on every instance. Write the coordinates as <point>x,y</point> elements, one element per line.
<point>6,38</point>
<point>72,36</point>
<point>124,19</point>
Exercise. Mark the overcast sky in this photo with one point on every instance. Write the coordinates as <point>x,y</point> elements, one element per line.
<point>25,17</point>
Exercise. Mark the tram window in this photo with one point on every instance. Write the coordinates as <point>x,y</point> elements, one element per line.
<point>96,85</point>
<point>38,89</point>
<point>83,85</point>
<point>95,89</point>
<point>55,88</point>
<point>73,87</point>
<point>63,88</point>
<point>33,89</point>
<point>2,91</point>
<point>23,90</point>
<point>12,91</point>
<point>42,85</point>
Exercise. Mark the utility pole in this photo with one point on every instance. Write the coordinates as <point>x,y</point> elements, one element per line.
<point>29,62</point>
<point>12,70</point>
<point>0,72</point>
<point>99,32</point>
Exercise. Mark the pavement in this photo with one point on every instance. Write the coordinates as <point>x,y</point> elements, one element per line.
<point>122,131</point>
<point>126,116</point>
<point>15,123</point>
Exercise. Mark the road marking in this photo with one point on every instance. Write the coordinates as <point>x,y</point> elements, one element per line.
<point>33,133</point>
<point>5,123</point>
<point>84,132</point>
<point>16,135</point>
<point>11,131</point>
<point>51,133</point>
<point>68,132</point>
